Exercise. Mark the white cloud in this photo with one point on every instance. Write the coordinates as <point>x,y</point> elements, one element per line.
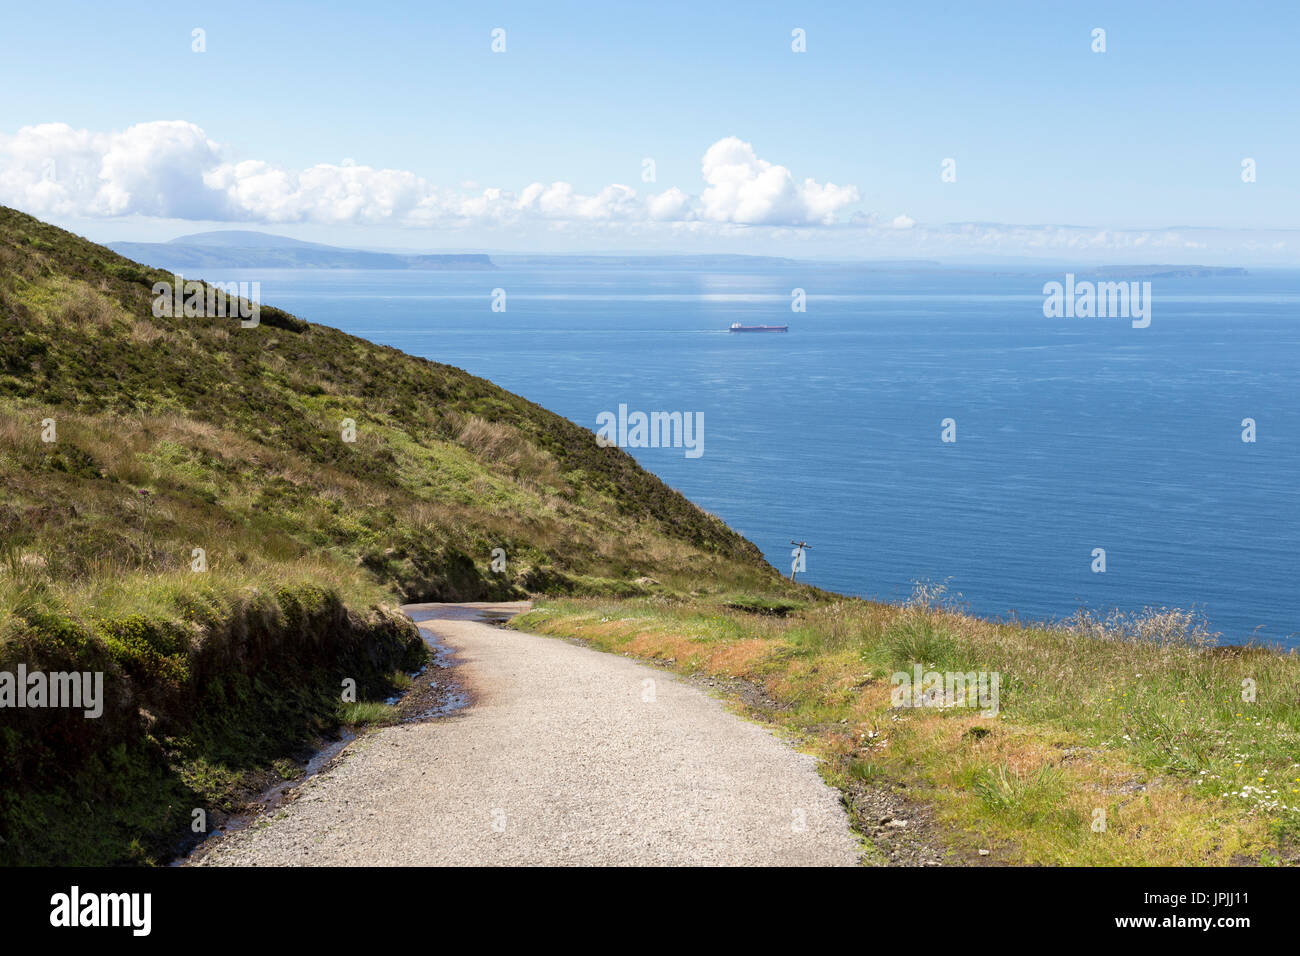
<point>254,190</point>
<point>151,169</point>
<point>671,204</point>
<point>745,189</point>
<point>559,201</point>
<point>172,170</point>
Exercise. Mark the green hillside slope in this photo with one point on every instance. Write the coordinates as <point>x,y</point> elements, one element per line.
<point>181,510</point>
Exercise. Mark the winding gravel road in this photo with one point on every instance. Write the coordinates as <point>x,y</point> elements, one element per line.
<point>567,756</point>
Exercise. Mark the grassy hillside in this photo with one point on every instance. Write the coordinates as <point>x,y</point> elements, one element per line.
<point>180,510</point>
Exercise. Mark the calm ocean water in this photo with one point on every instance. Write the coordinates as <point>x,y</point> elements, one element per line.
<point>1072,434</point>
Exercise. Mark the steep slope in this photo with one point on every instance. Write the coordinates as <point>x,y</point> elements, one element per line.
<point>216,517</point>
<point>444,466</point>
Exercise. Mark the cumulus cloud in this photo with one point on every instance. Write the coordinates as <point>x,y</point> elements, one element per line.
<point>669,205</point>
<point>172,170</point>
<point>324,193</point>
<point>745,189</point>
<point>559,201</point>
<point>151,169</point>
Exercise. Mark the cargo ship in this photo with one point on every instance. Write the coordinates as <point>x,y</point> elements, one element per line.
<point>737,327</point>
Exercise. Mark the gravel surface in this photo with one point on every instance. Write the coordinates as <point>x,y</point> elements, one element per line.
<point>566,756</point>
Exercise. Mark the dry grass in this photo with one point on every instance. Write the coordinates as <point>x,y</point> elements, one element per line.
<point>501,444</point>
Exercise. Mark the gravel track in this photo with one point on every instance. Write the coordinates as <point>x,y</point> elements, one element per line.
<point>567,756</point>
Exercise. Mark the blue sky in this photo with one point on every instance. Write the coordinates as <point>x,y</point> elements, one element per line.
<point>1148,135</point>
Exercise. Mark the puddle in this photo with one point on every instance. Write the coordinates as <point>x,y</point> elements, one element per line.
<point>270,799</point>
<point>455,700</point>
<point>458,612</point>
<point>453,697</point>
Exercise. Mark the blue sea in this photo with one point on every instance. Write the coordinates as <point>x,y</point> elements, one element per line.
<point>1071,434</point>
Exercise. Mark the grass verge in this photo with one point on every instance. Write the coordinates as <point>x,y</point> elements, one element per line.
<point>206,683</point>
<point>1124,741</point>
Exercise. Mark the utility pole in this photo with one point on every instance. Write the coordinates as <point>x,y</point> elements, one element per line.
<point>797,564</point>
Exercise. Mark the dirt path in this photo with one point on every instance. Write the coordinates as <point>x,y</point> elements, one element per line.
<point>567,756</point>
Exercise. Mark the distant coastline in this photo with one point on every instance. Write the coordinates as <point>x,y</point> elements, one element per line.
<point>246,249</point>
<point>254,250</point>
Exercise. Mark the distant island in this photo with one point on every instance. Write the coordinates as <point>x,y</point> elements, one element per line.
<point>239,249</point>
<point>245,249</point>
<point>1166,272</point>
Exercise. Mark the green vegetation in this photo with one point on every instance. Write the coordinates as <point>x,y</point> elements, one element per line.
<point>365,713</point>
<point>1135,717</point>
<point>198,702</point>
<point>180,511</point>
